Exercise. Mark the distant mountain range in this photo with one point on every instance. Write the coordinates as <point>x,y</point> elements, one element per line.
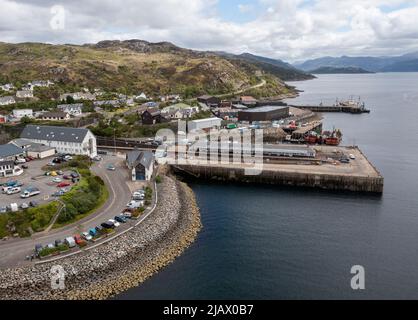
<point>342,70</point>
<point>404,63</point>
<point>279,68</point>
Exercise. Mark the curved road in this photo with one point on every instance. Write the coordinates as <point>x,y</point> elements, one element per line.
<point>14,251</point>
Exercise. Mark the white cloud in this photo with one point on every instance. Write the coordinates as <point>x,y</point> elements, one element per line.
<point>287,29</point>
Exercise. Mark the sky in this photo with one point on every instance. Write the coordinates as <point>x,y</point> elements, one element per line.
<point>292,30</point>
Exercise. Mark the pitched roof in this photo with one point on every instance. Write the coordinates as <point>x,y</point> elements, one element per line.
<point>65,134</point>
<point>21,142</point>
<point>7,150</point>
<point>56,114</point>
<point>135,157</point>
<point>153,111</point>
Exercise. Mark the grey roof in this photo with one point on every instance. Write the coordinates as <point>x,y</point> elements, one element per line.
<point>135,157</point>
<point>65,134</point>
<point>37,147</point>
<point>21,142</point>
<point>73,105</point>
<point>8,150</point>
<point>266,109</point>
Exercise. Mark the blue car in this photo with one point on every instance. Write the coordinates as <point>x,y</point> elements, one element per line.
<point>93,232</point>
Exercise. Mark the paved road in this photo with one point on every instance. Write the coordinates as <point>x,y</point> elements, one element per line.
<point>14,251</point>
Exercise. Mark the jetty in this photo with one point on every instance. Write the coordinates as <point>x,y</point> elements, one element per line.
<point>335,108</point>
<point>324,171</point>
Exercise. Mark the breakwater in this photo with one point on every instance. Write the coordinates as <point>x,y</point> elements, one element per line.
<point>120,264</point>
<point>303,178</point>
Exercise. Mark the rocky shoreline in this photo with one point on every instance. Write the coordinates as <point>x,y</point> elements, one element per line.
<point>121,264</point>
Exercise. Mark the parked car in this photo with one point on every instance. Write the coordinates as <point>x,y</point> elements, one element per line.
<point>78,240</point>
<point>93,232</point>
<point>58,242</point>
<point>64,185</point>
<point>51,246</point>
<point>115,223</point>
<point>60,173</point>
<point>25,166</point>
<point>87,236</point>
<point>51,164</point>
<point>108,225</point>
<point>97,158</point>
<point>99,229</point>
<point>24,205</point>
<point>126,215</point>
<point>121,219</point>
<point>33,204</point>
<point>57,161</point>
<point>13,190</point>
<point>57,180</point>
<point>134,204</point>
<point>138,196</point>
<point>352,157</point>
<point>58,193</point>
<point>70,242</point>
<point>75,175</point>
<point>38,249</point>
<point>65,177</point>
<point>20,160</point>
<point>3,209</point>
<point>111,167</point>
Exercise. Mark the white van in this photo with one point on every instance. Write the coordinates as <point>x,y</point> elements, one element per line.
<point>70,242</point>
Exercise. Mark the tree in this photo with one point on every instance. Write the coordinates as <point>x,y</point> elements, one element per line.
<point>70,99</point>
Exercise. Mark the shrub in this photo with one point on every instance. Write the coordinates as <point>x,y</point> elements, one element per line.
<point>158,179</point>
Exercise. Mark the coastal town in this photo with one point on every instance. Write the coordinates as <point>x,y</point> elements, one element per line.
<point>82,142</point>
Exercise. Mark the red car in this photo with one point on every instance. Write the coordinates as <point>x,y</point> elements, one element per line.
<point>78,240</point>
<point>63,185</point>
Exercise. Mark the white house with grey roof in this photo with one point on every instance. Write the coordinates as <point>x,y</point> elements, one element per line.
<point>5,101</point>
<point>77,141</point>
<point>141,165</point>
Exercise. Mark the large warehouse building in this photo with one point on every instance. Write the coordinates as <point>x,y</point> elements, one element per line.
<point>267,113</point>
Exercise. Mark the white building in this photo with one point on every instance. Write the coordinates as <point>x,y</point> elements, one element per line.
<point>76,141</point>
<point>23,94</point>
<point>141,165</point>
<point>78,96</point>
<point>56,116</point>
<point>9,169</point>
<point>20,113</point>
<point>5,101</point>
<point>204,124</point>
<point>74,109</point>
<point>7,87</point>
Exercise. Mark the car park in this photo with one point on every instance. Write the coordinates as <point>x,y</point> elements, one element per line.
<point>87,236</point>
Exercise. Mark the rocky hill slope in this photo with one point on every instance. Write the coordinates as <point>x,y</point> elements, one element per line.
<point>132,66</point>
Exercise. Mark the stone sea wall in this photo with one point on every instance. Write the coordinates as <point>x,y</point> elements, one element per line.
<point>121,264</point>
